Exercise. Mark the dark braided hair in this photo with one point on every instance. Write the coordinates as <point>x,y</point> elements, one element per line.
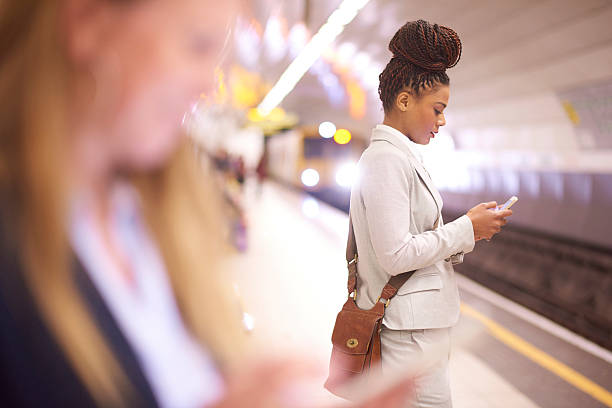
<point>421,54</point>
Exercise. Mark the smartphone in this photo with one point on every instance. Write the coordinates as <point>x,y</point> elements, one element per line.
<point>507,204</point>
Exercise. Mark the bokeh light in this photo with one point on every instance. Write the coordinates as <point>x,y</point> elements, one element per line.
<point>310,177</point>
<point>327,130</point>
<point>342,136</point>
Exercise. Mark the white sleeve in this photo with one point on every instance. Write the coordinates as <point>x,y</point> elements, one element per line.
<point>385,190</point>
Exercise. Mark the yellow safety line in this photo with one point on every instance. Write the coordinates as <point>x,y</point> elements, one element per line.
<point>533,353</point>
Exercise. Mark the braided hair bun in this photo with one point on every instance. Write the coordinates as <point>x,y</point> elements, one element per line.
<point>431,47</point>
<point>422,52</point>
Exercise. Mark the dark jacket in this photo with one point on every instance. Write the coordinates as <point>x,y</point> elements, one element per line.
<point>34,371</point>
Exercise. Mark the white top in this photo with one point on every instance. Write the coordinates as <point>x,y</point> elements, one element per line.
<point>179,371</point>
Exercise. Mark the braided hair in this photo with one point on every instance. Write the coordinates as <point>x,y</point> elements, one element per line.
<point>421,54</point>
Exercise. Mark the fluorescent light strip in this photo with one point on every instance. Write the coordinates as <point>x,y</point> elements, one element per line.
<point>328,32</point>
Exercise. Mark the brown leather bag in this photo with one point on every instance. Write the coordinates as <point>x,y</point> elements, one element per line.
<point>356,335</point>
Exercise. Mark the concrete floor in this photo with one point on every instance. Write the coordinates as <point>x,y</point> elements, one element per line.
<point>292,281</point>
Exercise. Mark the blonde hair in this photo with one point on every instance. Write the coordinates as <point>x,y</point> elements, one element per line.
<point>179,206</point>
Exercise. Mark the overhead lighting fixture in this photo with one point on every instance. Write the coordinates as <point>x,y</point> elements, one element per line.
<point>335,24</point>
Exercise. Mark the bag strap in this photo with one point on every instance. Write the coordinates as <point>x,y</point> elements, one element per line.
<point>351,260</point>
<point>392,285</point>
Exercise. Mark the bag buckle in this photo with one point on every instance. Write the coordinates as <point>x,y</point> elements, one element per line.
<point>386,302</point>
<point>354,260</point>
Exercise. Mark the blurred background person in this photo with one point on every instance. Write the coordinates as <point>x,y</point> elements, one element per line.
<point>261,172</point>
<point>240,171</point>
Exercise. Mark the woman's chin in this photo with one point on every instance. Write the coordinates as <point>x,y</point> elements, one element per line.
<point>425,141</point>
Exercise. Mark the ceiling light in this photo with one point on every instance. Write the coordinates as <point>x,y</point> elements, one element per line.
<point>335,24</point>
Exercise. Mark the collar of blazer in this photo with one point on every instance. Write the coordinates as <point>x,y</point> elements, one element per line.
<point>390,135</point>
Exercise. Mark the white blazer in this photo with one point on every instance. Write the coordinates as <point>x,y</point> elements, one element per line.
<point>394,207</point>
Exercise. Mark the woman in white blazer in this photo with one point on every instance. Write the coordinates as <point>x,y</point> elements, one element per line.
<point>396,211</point>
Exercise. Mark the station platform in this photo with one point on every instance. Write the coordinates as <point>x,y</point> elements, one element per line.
<point>292,282</point>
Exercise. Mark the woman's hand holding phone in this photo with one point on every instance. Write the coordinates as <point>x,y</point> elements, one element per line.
<point>487,223</point>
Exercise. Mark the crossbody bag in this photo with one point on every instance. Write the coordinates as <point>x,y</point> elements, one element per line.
<point>356,336</point>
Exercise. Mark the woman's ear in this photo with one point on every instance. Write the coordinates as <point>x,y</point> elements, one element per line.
<point>404,100</point>
<point>86,25</point>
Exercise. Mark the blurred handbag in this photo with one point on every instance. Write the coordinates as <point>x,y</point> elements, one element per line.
<point>356,335</point>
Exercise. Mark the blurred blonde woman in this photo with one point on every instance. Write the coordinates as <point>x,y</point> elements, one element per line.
<point>108,290</point>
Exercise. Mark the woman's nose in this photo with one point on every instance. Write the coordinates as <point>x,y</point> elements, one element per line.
<point>442,121</point>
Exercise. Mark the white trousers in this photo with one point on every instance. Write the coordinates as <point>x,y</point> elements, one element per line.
<point>402,348</point>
